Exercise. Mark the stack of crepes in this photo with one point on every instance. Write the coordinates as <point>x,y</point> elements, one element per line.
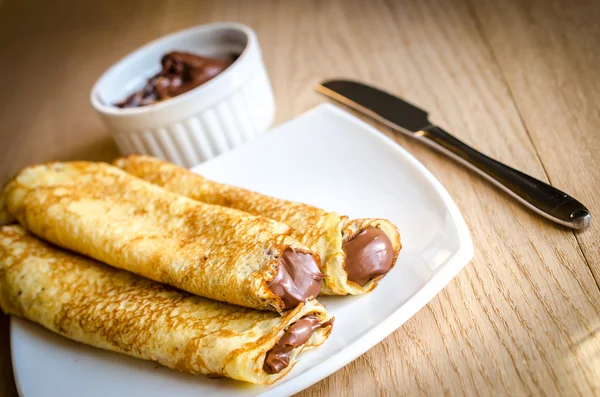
<point>262,282</point>
<point>246,276</point>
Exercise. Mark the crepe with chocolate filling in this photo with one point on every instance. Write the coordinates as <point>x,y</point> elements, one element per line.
<point>354,253</point>
<point>105,213</point>
<point>115,310</point>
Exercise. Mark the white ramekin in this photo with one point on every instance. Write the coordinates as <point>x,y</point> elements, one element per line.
<point>224,112</point>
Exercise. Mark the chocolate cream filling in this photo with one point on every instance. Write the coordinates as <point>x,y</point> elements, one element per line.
<point>297,334</point>
<point>181,72</point>
<point>369,255</point>
<point>298,278</point>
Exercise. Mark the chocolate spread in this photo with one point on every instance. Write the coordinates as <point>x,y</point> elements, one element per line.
<point>368,255</point>
<point>298,278</point>
<point>297,334</point>
<point>181,72</point>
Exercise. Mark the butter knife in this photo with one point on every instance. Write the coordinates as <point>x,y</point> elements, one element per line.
<point>409,119</point>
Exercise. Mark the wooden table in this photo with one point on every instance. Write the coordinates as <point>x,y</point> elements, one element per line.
<point>518,80</point>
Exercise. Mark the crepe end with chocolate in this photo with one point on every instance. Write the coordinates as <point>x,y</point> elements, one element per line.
<point>355,253</point>
<point>102,212</point>
<point>115,310</point>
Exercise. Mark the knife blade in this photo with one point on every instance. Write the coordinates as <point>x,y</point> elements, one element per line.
<point>400,115</point>
<point>380,105</point>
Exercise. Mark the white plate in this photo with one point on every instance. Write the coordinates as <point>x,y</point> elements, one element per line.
<point>325,157</point>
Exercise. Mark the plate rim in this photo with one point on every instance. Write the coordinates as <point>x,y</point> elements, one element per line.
<point>454,264</point>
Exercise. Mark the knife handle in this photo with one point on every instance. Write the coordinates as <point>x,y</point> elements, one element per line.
<point>535,194</point>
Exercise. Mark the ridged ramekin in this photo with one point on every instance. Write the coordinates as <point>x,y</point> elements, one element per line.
<point>228,110</point>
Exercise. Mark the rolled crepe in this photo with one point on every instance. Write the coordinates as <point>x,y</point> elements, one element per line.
<point>105,213</point>
<point>115,310</point>
<point>354,253</point>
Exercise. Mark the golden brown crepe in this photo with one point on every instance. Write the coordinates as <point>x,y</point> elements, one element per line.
<point>321,231</point>
<point>115,310</point>
<point>105,213</point>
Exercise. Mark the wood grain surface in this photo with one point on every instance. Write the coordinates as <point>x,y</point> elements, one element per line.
<point>518,80</point>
